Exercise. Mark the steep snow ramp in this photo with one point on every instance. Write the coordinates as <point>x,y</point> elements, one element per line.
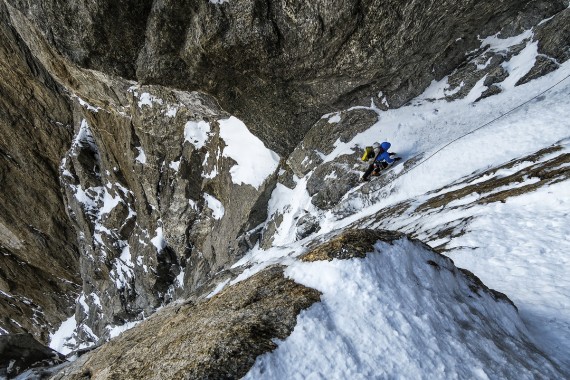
<point>400,311</point>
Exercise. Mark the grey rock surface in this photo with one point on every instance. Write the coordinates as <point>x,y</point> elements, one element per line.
<point>320,140</point>
<point>39,256</point>
<point>20,352</point>
<point>134,175</point>
<point>138,190</point>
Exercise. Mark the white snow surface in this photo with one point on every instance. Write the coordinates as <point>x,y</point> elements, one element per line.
<point>518,247</point>
<point>175,165</point>
<point>158,240</point>
<point>393,315</point>
<point>58,340</point>
<point>115,331</point>
<point>142,156</point>
<point>215,205</point>
<point>254,162</point>
<point>146,99</point>
<point>521,248</point>
<point>197,133</point>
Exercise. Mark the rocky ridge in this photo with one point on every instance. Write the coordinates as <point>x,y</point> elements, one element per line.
<point>217,337</point>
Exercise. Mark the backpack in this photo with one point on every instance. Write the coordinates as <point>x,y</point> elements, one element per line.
<point>368,153</point>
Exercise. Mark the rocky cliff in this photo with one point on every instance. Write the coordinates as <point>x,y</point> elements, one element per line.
<point>39,277</point>
<point>127,181</point>
<point>144,176</point>
<point>279,65</point>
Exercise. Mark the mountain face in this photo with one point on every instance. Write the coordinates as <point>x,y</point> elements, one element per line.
<point>40,257</point>
<point>279,65</point>
<point>129,184</point>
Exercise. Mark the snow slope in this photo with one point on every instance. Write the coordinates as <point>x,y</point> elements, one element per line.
<point>394,315</point>
<point>518,245</point>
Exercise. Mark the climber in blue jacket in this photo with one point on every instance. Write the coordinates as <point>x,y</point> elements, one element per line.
<point>381,160</point>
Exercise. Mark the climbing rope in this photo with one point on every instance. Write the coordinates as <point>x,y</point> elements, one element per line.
<point>486,124</point>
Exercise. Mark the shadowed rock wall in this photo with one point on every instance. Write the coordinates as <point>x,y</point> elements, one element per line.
<point>39,258</point>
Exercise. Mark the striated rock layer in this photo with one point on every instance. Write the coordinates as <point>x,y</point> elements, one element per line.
<point>39,256</point>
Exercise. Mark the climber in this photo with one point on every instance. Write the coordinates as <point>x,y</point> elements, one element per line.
<point>382,158</point>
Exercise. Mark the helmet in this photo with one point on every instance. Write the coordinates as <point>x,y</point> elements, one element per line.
<point>376,145</point>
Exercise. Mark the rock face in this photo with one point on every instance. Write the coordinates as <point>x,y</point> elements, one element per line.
<point>19,352</point>
<point>141,177</point>
<point>217,338</point>
<point>146,184</point>
<point>279,65</point>
<point>39,257</point>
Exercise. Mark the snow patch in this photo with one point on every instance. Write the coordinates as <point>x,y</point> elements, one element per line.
<point>334,119</point>
<point>142,156</point>
<point>122,272</point>
<point>215,205</point>
<point>115,331</point>
<point>175,165</point>
<point>146,99</point>
<point>84,305</point>
<point>158,240</point>
<point>89,107</point>
<point>62,339</point>
<point>140,263</point>
<point>519,65</point>
<point>171,111</point>
<point>477,90</point>
<point>497,44</point>
<point>197,133</point>
<point>332,175</point>
<point>254,162</point>
<point>218,288</point>
<point>180,279</point>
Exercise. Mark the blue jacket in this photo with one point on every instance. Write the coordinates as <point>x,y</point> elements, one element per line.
<point>384,155</point>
